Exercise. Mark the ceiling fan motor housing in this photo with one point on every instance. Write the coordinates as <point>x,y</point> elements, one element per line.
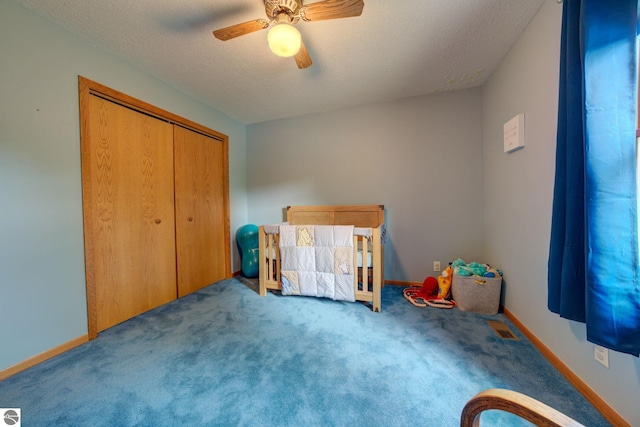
<point>274,8</point>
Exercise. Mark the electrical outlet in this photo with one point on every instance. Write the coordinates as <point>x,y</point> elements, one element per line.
<point>436,265</point>
<point>602,356</point>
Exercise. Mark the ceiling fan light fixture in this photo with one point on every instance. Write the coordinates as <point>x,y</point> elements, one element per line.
<point>284,39</point>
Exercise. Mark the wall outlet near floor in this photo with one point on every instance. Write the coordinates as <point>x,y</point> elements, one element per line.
<point>436,265</point>
<point>602,356</point>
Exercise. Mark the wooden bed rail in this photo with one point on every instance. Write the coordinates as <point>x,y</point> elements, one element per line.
<point>269,271</point>
<point>516,403</point>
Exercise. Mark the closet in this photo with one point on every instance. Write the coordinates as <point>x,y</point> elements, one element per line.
<point>155,205</point>
<point>200,211</point>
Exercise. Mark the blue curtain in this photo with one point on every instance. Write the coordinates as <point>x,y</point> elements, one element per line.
<point>593,257</point>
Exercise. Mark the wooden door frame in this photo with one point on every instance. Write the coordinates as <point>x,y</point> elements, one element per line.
<point>88,88</point>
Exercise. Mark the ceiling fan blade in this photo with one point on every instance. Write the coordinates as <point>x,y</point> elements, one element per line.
<point>303,60</point>
<point>331,9</point>
<point>238,30</point>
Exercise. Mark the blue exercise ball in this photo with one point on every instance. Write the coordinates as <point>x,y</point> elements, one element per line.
<point>247,240</point>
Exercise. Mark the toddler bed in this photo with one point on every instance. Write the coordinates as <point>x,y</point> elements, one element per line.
<point>367,223</point>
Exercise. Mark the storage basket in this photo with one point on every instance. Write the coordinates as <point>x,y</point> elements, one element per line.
<point>476,294</point>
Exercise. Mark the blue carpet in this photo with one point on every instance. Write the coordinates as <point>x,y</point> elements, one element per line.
<point>225,356</point>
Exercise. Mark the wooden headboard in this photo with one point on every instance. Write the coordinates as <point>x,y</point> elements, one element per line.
<point>358,215</point>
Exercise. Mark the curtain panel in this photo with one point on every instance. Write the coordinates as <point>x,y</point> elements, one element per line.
<point>593,256</point>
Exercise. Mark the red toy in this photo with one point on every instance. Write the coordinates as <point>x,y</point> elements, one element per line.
<point>427,294</point>
<point>429,289</point>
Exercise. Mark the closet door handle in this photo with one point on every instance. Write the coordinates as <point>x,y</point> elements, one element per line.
<point>190,218</point>
<point>158,220</point>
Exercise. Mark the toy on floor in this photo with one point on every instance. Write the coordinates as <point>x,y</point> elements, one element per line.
<point>418,295</point>
<point>444,283</point>
<point>443,299</point>
<point>433,292</point>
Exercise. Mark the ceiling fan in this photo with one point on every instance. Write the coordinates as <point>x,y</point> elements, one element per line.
<point>284,39</point>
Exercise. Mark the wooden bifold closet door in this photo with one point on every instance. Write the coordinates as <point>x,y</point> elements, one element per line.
<point>155,204</point>
<point>133,216</point>
<point>199,210</point>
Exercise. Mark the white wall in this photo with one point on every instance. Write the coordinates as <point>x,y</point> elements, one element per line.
<point>518,190</point>
<point>419,157</point>
<point>42,283</point>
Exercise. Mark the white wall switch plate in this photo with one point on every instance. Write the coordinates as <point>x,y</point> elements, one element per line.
<point>602,356</point>
<point>436,265</point>
<point>514,134</point>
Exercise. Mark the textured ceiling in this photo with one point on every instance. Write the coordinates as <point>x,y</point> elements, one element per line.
<point>395,49</point>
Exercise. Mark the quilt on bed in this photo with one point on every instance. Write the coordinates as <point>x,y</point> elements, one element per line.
<point>317,260</point>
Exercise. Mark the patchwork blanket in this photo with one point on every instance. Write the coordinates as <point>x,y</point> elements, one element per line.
<point>317,260</point>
